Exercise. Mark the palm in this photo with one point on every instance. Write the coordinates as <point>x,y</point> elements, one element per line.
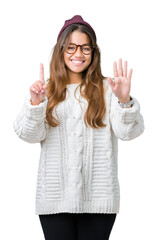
<point>121,84</point>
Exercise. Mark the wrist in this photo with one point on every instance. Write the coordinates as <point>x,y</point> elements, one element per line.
<point>125,100</point>
<point>126,104</point>
<point>34,103</point>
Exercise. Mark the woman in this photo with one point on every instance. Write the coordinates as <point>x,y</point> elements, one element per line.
<point>78,117</point>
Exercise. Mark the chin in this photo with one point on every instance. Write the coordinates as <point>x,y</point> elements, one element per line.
<point>78,69</point>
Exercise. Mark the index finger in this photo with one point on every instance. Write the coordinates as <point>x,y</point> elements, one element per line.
<point>42,73</point>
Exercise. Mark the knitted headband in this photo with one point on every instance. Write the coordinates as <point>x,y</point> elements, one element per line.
<point>75,19</point>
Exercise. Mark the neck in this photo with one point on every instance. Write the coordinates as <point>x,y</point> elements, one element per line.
<point>74,77</point>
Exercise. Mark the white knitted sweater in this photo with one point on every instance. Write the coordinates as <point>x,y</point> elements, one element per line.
<point>78,168</point>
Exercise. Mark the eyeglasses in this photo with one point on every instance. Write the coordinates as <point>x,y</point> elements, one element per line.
<point>85,48</point>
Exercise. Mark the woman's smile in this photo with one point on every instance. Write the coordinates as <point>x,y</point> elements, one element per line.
<point>77,62</point>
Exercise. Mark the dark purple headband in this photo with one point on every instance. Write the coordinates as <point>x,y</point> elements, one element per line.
<point>75,19</point>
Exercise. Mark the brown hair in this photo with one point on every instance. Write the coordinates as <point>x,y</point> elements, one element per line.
<point>92,80</point>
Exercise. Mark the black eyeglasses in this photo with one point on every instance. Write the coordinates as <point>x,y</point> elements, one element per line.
<point>85,48</point>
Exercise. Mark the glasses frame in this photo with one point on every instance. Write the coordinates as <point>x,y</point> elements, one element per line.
<point>85,44</point>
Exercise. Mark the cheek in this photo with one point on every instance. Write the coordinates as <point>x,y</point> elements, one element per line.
<point>65,58</point>
<point>89,60</point>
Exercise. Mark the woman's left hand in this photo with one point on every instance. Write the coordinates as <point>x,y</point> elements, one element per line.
<point>121,84</point>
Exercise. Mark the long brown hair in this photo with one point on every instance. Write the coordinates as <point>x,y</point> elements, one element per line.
<point>92,81</point>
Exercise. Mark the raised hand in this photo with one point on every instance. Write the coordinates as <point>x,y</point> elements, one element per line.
<point>121,84</point>
<point>38,89</point>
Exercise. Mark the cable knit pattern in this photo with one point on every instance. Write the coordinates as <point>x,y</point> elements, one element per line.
<point>78,165</point>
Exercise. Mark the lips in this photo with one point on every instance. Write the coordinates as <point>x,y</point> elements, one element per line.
<point>77,62</point>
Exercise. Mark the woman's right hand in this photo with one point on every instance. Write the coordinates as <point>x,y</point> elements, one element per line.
<point>38,90</point>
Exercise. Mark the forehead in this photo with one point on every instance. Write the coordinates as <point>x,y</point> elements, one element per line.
<point>79,38</point>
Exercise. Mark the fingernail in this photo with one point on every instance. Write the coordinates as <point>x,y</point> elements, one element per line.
<point>36,91</point>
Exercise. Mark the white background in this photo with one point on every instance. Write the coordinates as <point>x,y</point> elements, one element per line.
<point>125,29</point>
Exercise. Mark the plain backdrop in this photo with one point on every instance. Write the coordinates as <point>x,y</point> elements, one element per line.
<point>125,29</point>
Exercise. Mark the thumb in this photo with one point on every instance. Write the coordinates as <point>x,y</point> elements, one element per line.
<point>45,89</point>
<point>111,82</point>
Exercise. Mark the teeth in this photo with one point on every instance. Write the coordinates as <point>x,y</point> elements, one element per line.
<point>77,61</point>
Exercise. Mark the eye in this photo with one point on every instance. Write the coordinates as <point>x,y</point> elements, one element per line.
<point>71,47</point>
<point>86,48</point>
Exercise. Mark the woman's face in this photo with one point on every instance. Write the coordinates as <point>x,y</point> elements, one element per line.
<point>77,62</point>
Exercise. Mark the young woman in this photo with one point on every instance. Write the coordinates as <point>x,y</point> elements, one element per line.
<point>77,117</point>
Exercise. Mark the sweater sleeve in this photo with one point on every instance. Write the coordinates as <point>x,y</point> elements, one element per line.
<point>29,124</point>
<point>127,123</point>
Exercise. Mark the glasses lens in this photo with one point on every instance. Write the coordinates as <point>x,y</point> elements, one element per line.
<point>71,48</point>
<point>87,49</point>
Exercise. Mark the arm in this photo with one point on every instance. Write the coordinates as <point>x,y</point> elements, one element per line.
<point>127,123</point>
<point>29,124</point>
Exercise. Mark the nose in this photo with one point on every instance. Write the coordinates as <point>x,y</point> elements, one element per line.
<point>78,51</point>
